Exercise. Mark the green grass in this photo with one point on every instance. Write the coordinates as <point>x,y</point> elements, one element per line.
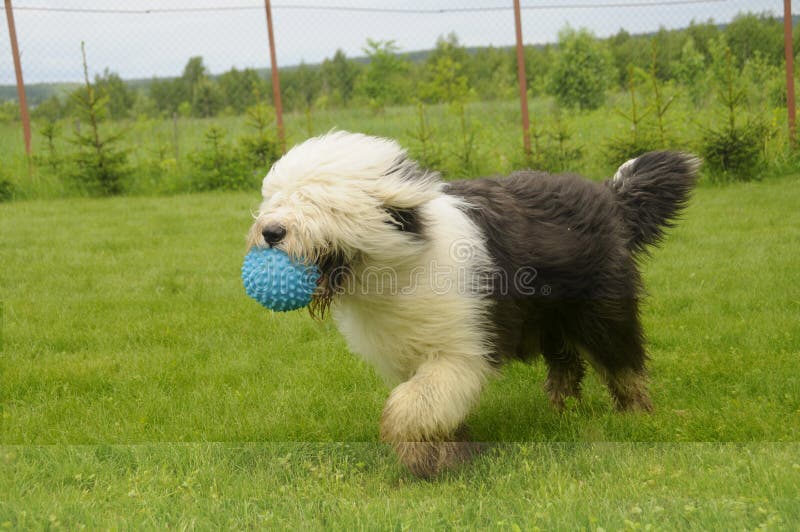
<point>151,142</point>
<point>139,387</point>
<point>159,169</point>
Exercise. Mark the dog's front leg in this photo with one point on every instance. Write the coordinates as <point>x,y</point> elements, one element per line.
<point>423,418</point>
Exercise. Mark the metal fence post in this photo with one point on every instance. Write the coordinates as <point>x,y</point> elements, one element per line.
<point>23,103</point>
<point>276,84</point>
<point>789,53</point>
<point>523,85</point>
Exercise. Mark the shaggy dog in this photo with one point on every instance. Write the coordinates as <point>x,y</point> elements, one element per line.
<point>439,283</point>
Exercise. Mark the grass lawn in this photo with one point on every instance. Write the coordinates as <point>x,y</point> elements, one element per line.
<point>161,153</point>
<point>139,387</point>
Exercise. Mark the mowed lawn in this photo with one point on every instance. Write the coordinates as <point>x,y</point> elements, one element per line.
<point>139,387</point>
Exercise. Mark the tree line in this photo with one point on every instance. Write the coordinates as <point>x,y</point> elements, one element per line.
<point>732,76</point>
<point>577,71</point>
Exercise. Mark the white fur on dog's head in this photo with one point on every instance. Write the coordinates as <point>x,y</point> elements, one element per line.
<point>333,193</point>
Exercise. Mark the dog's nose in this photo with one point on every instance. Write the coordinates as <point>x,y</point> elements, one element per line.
<point>273,234</point>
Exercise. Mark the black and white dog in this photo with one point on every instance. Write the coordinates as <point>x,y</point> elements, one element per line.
<point>438,283</point>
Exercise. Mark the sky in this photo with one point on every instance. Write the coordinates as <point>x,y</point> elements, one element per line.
<point>146,38</point>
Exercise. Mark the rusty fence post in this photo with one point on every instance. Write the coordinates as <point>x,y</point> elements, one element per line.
<point>789,53</point>
<point>276,84</point>
<point>23,103</point>
<point>523,85</point>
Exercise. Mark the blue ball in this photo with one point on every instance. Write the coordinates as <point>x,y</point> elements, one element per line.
<point>271,278</point>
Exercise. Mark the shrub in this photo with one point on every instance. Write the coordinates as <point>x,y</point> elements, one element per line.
<point>259,149</point>
<point>384,81</point>
<point>258,153</point>
<point>51,159</point>
<point>689,71</point>
<point>582,70</point>
<point>563,153</point>
<point>50,110</point>
<point>9,112</point>
<point>641,139</point>
<point>465,153</point>
<point>8,190</point>
<point>444,79</point>
<point>218,166</point>
<point>424,147</point>
<point>620,149</point>
<point>623,147</point>
<point>734,153</point>
<point>100,173</point>
<point>552,149</point>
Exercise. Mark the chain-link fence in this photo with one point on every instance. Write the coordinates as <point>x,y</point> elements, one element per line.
<point>146,43</point>
<point>141,40</point>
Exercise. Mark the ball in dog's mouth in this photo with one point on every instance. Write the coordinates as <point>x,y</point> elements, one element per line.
<point>273,279</point>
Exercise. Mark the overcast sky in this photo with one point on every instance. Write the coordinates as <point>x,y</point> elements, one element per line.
<point>232,33</point>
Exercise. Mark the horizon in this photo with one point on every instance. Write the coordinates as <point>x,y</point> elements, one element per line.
<point>141,52</point>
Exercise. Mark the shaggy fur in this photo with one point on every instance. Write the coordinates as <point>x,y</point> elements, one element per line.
<point>437,284</point>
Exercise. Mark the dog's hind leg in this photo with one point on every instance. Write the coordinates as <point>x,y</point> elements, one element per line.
<point>628,388</point>
<point>611,340</point>
<point>424,416</point>
<point>565,368</point>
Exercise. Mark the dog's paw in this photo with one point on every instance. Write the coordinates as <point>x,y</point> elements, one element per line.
<point>429,459</point>
<point>560,390</point>
<point>639,402</point>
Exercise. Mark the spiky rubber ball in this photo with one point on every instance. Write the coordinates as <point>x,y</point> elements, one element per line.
<point>274,280</point>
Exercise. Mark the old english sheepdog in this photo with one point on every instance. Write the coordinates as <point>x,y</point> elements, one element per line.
<point>437,283</point>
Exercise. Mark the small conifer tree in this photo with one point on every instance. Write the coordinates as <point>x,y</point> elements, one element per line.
<point>99,165</point>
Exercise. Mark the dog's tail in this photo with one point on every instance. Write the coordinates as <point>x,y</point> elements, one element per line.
<point>650,191</point>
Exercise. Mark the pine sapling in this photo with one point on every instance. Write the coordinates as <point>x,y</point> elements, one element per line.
<point>465,154</point>
<point>98,165</point>
<point>259,148</point>
<point>624,147</point>
<point>659,105</point>
<point>427,152</point>
<point>50,131</point>
<point>733,151</point>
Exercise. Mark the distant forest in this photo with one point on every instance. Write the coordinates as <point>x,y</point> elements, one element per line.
<point>385,76</point>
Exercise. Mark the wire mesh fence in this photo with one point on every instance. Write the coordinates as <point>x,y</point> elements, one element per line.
<point>141,40</point>
<point>141,52</point>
